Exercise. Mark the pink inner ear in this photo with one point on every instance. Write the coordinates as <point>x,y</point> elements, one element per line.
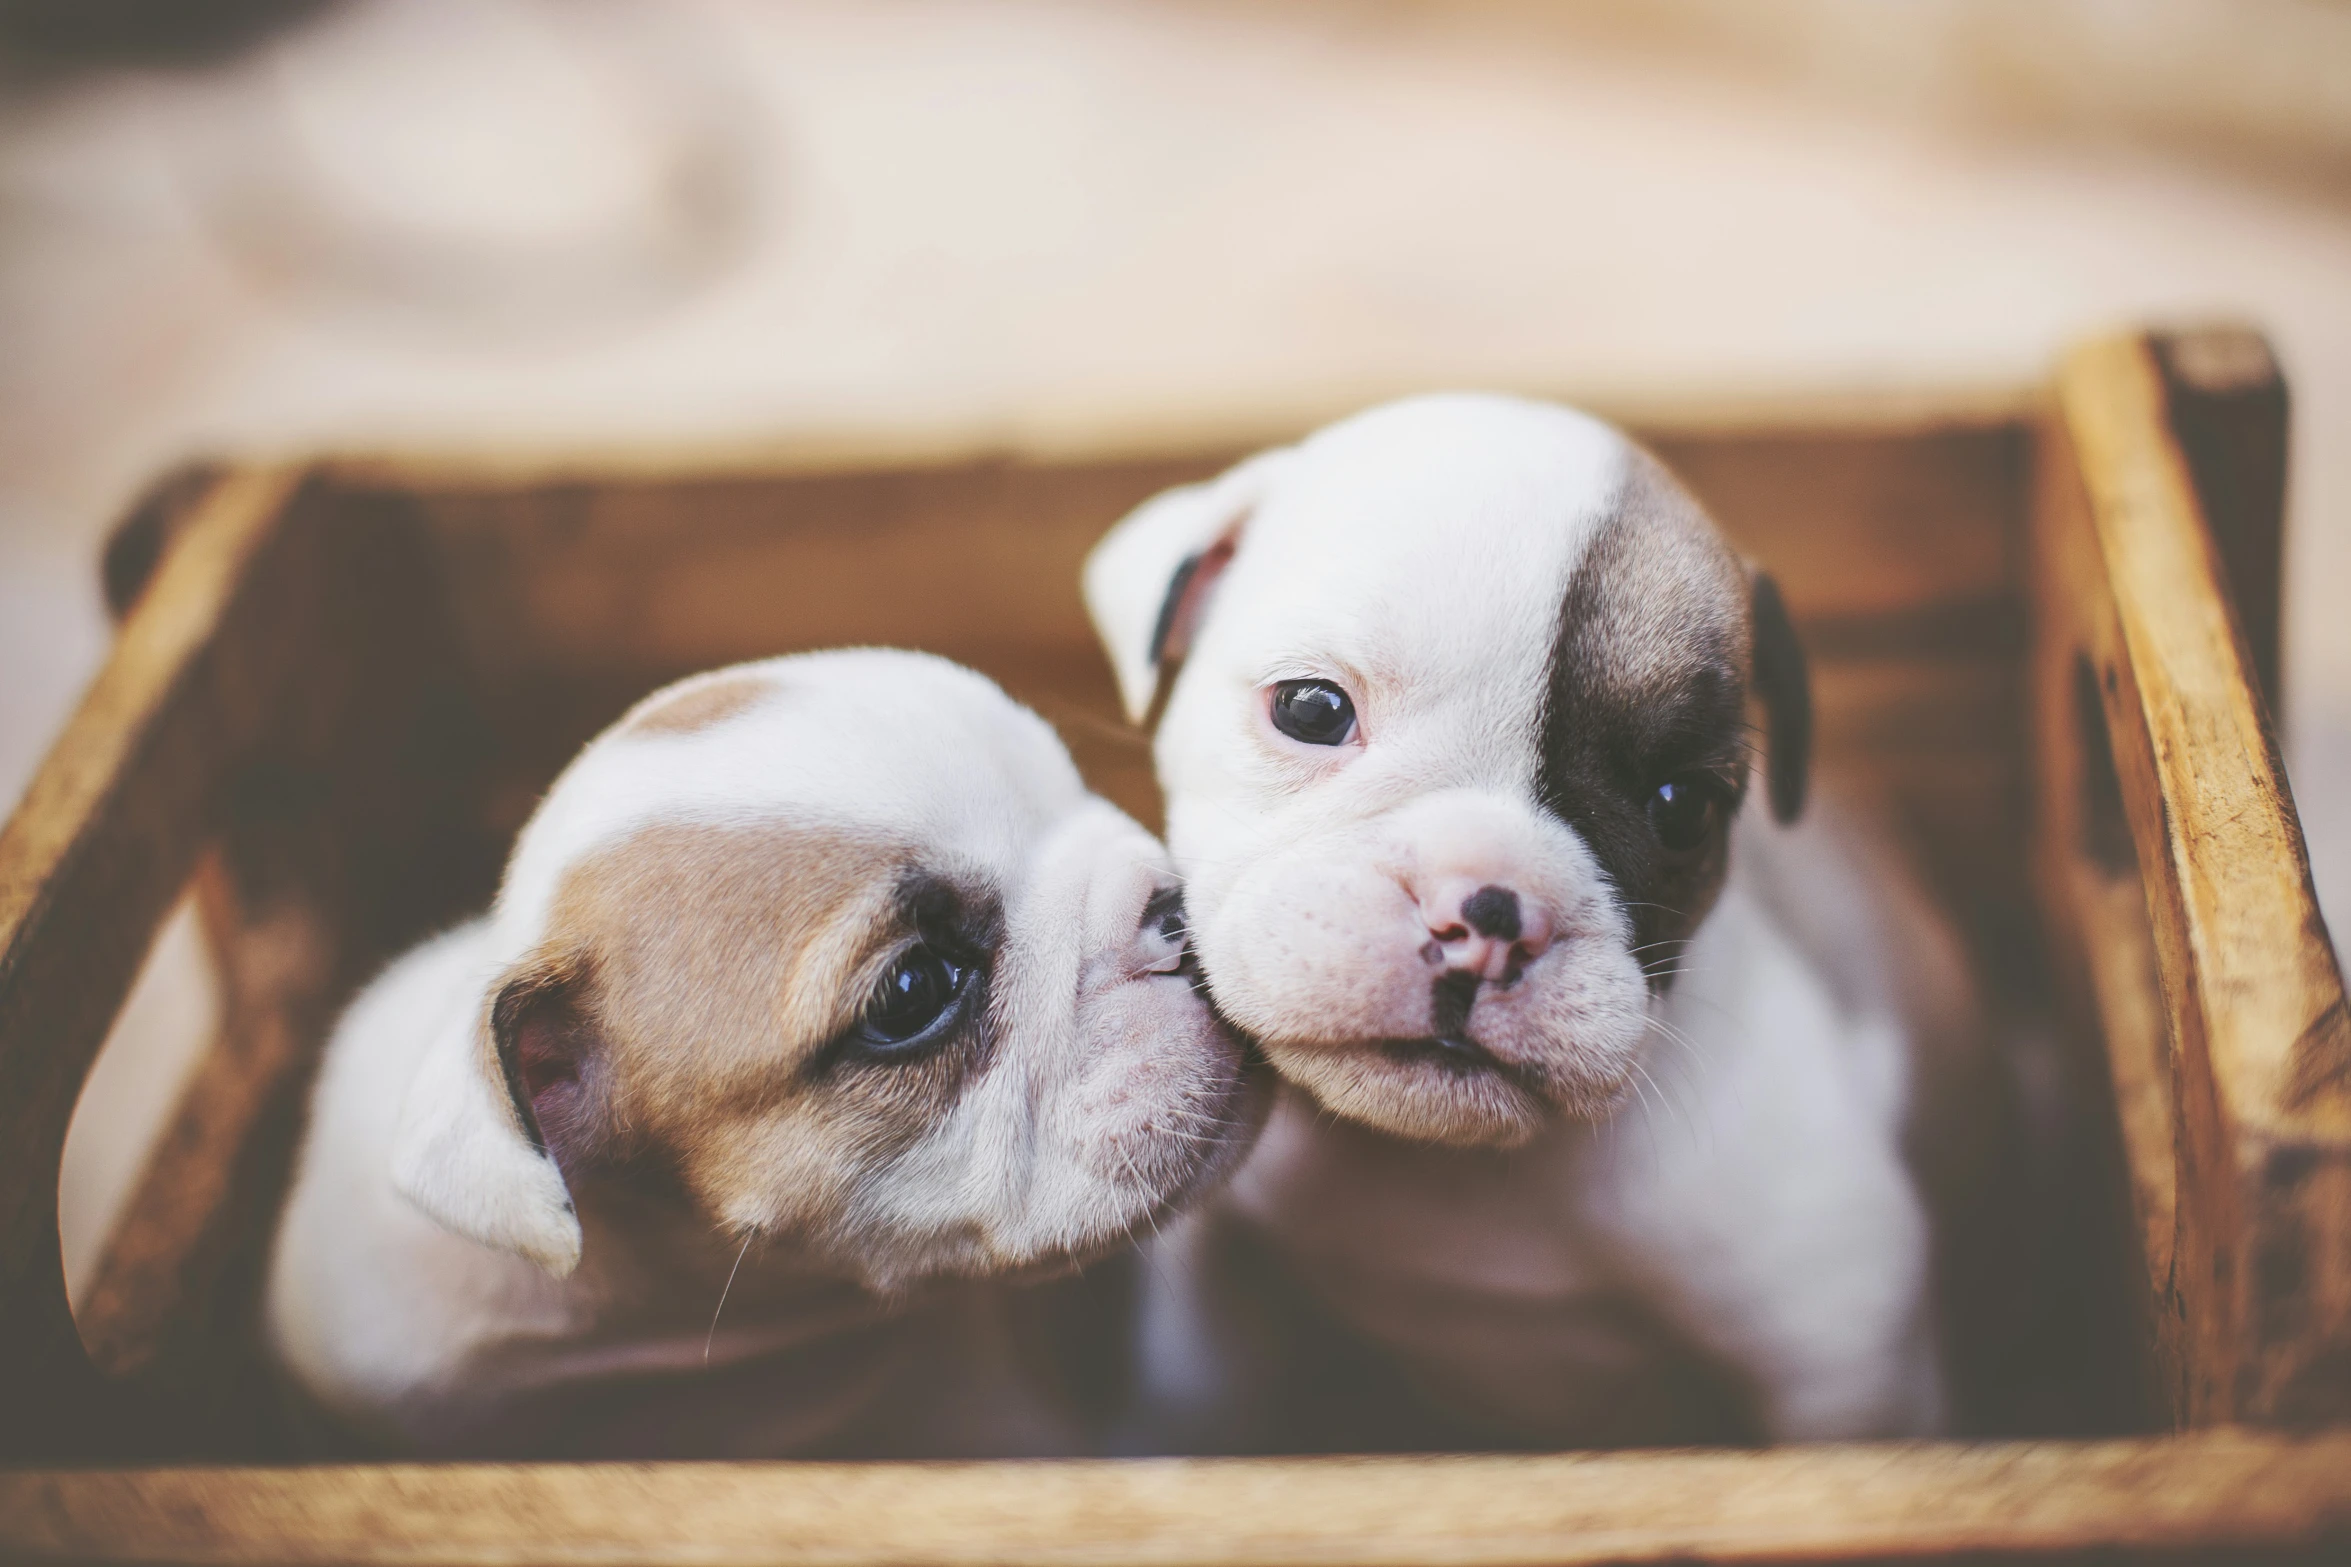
<point>1184,618</point>
<point>543,1057</point>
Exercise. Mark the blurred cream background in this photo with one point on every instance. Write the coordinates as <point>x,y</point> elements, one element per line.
<point>425,223</point>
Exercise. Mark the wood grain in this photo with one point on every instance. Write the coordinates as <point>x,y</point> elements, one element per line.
<point>2220,1496</point>
<point>2102,947</point>
<point>2256,1279</point>
<point>89,864</point>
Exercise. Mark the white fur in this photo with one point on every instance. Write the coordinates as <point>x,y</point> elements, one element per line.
<point>1727,1153</point>
<point>431,1277</point>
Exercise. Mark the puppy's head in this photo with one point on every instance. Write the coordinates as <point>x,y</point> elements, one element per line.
<point>1457,729</point>
<point>836,951</point>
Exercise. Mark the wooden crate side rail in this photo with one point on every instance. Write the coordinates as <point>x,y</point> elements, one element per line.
<point>2258,1042</point>
<point>90,863</point>
<point>340,835</point>
<point>2214,1496</point>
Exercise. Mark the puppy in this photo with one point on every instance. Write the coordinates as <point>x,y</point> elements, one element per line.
<point>1452,724</point>
<point>818,989</point>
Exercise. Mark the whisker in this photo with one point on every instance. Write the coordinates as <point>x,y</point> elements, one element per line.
<point>1064,715</point>
<point>711,1337</point>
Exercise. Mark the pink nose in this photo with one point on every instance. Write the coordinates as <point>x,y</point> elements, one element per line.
<point>1482,929</point>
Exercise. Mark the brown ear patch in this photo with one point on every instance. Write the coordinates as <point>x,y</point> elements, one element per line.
<point>700,706</point>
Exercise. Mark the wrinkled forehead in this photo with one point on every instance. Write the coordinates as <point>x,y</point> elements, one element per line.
<point>931,759</point>
<point>1440,538</point>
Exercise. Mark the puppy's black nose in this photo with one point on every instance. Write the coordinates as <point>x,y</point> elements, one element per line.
<point>1492,911</point>
<point>1482,928</point>
<point>1165,914</point>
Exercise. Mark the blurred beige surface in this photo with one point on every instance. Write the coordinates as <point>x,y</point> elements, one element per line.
<point>433,224</point>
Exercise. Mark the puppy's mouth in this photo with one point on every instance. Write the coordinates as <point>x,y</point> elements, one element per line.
<point>1458,1055</point>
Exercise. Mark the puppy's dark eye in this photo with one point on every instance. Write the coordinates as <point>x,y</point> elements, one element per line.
<point>1314,711</point>
<point>1683,812</point>
<point>914,998</point>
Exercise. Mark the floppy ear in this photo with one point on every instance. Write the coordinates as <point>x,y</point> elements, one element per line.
<point>1148,582</point>
<point>1784,684</point>
<point>473,1148</point>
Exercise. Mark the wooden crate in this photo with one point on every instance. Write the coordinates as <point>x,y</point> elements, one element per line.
<point>338,686</point>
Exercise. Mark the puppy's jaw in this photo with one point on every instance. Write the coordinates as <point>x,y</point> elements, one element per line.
<point>1158,1156</point>
<point>1399,1088</point>
<point>1494,1086</point>
<point>993,1193</point>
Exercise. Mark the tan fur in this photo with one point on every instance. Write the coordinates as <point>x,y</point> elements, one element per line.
<point>719,961</point>
<point>700,705</point>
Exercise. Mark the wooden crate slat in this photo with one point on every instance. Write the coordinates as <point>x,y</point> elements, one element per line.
<point>90,863</point>
<point>2216,1496</point>
<point>2253,1300</point>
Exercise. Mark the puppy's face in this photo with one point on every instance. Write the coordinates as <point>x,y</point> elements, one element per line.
<point>839,951</point>
<point>1453,752</point>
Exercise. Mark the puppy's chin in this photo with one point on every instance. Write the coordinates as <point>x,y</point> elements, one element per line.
<point>1430,1091</point>
<point>1192,1146</point>
<point>1121,1152</point>
<point>1143,1209</point>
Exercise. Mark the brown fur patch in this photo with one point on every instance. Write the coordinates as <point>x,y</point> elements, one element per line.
<point>726,952</point>
<point>698,707</point>
<point>1647,685</point>
<point>724,962</point>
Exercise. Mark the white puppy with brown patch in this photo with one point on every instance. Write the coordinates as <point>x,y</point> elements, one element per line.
<point>820,986</point>
<point>1454,738</point>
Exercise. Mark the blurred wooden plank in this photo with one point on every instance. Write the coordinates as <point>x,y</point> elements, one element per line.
<point>2220,1496</point>
<point>2257,1038</point>
<point>89,865</point>
<point>673,577</point>
<point>1235,421</point>
<point>163,1256</point>
<point>2102,946</point>
<point>1866,523</point>
<point>977,558</point>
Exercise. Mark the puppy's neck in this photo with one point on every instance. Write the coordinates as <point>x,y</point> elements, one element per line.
<point>653,1265</point>
<point>738,1346</point>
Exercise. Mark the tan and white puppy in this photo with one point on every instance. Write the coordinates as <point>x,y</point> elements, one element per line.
<point>818,986</point>
<point>1454,736</point>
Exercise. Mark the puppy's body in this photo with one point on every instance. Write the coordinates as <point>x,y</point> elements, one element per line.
<point>1750,1206</point>
<point>662,1073</point>
<point>1452,763</point>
